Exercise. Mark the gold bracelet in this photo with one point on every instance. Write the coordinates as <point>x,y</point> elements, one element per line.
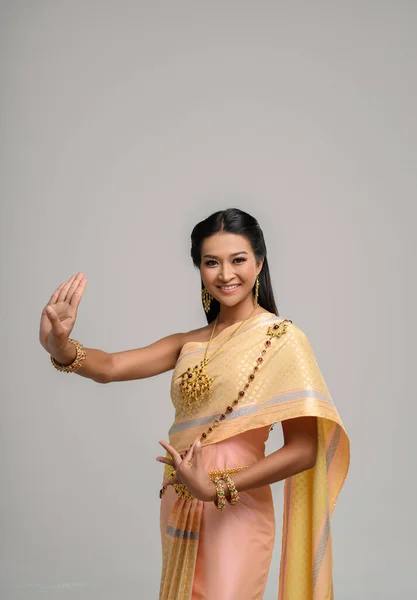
<point>77,362</point>
<point>221,495</point>
<point>182,490</point>
<point>234,496</point>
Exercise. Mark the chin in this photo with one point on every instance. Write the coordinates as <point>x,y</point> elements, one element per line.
<point>232,301</point>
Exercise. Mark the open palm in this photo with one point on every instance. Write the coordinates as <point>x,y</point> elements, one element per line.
<point>59,315</point>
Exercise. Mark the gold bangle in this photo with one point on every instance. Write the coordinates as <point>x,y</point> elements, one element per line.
<point>77,362</point>
<point>234,496</point>
<point>182,490</point>
<point>221,495</point>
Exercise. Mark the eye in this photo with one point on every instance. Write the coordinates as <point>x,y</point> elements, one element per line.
<point>238,258</point>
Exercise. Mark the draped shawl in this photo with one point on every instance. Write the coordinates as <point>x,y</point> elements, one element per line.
<point>286,384</point>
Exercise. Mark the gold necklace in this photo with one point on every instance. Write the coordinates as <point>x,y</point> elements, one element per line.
<point>196,383</point>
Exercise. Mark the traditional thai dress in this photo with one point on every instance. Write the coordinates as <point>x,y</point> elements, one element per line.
<point>207,554</point>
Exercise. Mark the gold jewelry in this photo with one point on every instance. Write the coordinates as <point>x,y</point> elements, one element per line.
<point>195,382</point>
<point>275,331</point>
<point>207,298</point>
<point>234,496</point>
<point>162,490</point>
<point>221,495</point>
<point>190,463</point>
<point>77,362</point>
<point>182,490</point>
<point>256,290</point>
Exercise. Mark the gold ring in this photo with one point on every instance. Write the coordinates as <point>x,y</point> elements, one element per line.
<point>190,463</point>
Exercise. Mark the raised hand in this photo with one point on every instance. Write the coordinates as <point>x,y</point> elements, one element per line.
<point>190,471</point>
<point>59,315</point>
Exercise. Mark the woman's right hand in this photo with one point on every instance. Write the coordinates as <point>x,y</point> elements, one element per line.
<point>59,315</point>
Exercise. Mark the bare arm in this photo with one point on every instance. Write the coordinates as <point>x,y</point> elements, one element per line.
<point>104,367</point>
<point>158,357</point>
<point>96,365</point>
<point>297,454</point>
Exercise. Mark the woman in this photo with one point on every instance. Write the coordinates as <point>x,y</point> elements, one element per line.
<point>232,380</point>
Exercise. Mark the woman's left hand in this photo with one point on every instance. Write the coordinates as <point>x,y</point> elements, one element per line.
<point>193,475</point>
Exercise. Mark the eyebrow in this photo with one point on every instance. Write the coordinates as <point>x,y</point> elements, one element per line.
<point>234,254</point>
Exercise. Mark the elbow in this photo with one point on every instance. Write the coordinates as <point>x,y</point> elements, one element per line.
<point>304,458</point>
<point>309,457</point>
<point>106,375</point>
<point>310,461</point>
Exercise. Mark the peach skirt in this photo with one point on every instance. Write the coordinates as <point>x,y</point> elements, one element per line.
<point>235,545</point>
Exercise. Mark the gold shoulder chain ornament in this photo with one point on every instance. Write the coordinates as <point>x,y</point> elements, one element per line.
<point>196,383</point>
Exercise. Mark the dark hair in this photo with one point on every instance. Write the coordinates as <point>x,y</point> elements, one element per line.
<point>239,222</point>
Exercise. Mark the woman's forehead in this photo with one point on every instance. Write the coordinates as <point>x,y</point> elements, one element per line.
<point>225,243</point>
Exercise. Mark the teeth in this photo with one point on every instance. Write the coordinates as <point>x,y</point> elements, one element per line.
<point>228,287</point>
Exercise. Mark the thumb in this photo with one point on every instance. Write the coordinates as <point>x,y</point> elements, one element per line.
<point>55,322</point>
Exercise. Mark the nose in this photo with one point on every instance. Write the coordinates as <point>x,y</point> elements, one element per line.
<point>226,273</point>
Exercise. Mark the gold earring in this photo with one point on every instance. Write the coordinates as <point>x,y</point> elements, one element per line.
<point>256,291</point>
<point>207,298</point>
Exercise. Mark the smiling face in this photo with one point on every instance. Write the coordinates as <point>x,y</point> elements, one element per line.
<point>227,260</point>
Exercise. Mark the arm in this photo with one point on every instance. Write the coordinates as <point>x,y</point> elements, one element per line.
<point>95,367</point>
<point>297,454</point>
<point>104,367</point>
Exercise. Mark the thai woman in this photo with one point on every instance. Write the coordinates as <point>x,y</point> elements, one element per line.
<point>234,378</point>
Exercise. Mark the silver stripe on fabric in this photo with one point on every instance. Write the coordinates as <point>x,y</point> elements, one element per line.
<point>252,409</point>
<point>334,442</point>
<point>321,549</point>
<point>287,487</point>
<point>180,533</point>
<point>324,540</point>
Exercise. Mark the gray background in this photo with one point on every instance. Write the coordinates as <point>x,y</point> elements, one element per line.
<point>123,124</point>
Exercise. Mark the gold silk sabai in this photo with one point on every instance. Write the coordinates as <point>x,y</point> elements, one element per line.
<point>285,384</point>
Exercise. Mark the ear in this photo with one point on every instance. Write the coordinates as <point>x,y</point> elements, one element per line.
<point>259,266</point>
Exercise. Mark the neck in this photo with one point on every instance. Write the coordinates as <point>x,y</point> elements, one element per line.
<point>229,315</point>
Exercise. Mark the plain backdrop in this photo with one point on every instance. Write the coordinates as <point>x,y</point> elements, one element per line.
<point>125,123</point>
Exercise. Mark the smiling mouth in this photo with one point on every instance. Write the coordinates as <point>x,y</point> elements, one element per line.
<point>228,287</point>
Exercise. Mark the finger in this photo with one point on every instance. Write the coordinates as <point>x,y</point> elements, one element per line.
<point>74,296</point>
<point>176,457</point>
<point>54,297</point>
<point>73,286</point>
<point>197,453</point>
<point>190,452</point>
<point>167,461</point>
<point>197,449</point>
<point>63,293</point>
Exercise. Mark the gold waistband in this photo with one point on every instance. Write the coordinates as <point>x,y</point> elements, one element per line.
<point>184,492</point>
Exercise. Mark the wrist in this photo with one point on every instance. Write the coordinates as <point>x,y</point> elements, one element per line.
<point>213,491</point>
<point>66,356</point>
